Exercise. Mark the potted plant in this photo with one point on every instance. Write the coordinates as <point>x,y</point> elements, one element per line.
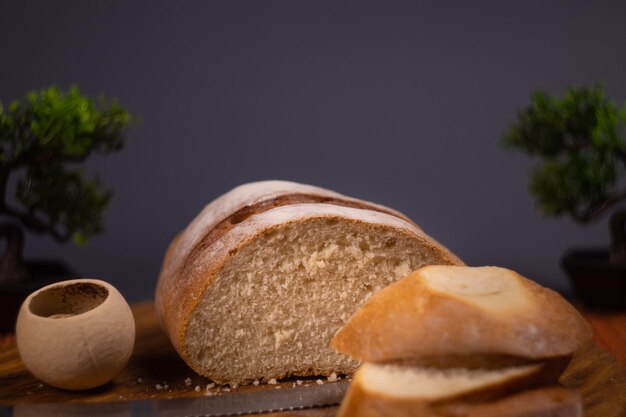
<point>43,139</point>
<point>580,140</point>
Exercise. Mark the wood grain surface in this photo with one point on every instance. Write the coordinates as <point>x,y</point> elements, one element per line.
<point>609,329</point>
<point>156,371</point>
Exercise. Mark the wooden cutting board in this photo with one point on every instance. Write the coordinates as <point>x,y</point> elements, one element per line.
<point>156,371</point>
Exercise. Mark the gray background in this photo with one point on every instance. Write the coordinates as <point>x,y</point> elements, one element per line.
<point>398,102</point>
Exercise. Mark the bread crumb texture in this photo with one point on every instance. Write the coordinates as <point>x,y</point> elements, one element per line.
<point>275,305</point>
<point>492,288</point>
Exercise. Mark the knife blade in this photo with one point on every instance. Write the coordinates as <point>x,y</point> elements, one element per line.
<point>223,405</point>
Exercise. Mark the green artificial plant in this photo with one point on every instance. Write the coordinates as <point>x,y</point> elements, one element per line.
<point>580,142</point>
<point>44,137</point>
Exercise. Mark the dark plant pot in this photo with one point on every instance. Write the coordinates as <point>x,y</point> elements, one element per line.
<point>12,294</point>
<point>596,283</point>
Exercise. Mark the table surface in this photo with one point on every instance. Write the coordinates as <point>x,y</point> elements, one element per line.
<point>609,331</point>
<point>156,371</point>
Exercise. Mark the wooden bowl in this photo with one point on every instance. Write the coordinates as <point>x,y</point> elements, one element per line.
<point>75,334</point>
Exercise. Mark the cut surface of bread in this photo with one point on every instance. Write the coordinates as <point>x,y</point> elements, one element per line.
<point>456,311</point>
<point>438,385</point>
<point>394,391</point>
<point>263,299</point>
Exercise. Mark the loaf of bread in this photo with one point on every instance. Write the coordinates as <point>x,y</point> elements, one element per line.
<point>441,342</point>
<point>407,391</point>
<point>463,316</point>
<point>258,283</point>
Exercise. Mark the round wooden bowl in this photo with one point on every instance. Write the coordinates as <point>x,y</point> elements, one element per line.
<point>75,334</point>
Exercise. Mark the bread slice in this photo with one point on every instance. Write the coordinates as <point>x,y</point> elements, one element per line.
<point>463,313</point>
<point>259,282</point>
<point>379,390</point>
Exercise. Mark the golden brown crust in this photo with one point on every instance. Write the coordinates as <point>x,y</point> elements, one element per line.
<point>408,320</point>
<point>553,401</point>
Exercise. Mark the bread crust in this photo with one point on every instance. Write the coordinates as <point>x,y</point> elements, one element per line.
<point>253,198</point>
<point>182,284</point>
<point>424,323</point>
<point>552,400</point>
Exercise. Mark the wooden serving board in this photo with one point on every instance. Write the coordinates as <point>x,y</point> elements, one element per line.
<point>156,371</point>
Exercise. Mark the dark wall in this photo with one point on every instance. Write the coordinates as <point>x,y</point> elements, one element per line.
<point>398,102</point>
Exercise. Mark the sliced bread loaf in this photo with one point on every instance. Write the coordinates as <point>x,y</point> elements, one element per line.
<point>379,390</point>
<point>465,315</point>
<point>258,283</point>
